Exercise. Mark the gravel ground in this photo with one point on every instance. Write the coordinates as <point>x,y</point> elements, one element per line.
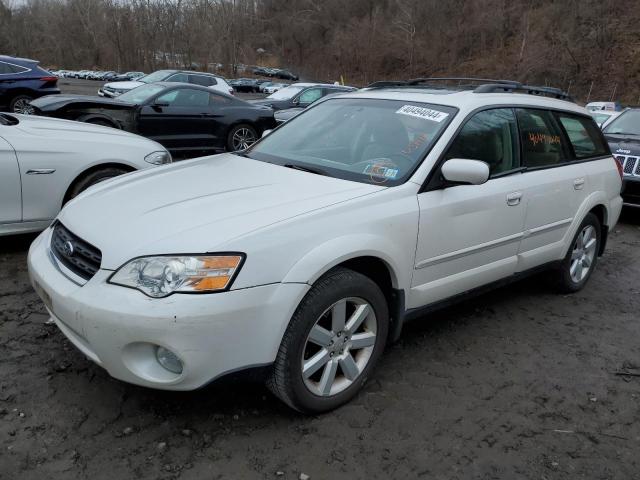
<point>519,383</point>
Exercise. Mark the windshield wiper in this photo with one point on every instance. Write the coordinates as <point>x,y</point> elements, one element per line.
<point>317,171</point>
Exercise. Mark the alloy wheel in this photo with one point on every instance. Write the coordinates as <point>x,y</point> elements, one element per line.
<point>23,106</point>
<point>339,346</point>
<point>243,138</point>
<point>584,251</point>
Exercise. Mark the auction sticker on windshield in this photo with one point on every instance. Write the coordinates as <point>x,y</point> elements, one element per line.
<point>422,112</point>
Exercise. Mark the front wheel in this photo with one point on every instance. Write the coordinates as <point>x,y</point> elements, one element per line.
<point>21,104</point>
<point>580,261</point>
<point>332,343</point>
<point>241,137</point>
<point>94,178</point>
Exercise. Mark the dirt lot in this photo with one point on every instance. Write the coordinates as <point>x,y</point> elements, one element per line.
<point>520,383</point>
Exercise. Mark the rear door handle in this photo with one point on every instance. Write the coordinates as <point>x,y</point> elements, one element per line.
<point>578,183</point>
<point>514,198</point>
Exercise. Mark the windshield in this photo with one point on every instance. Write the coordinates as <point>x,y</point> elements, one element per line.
<point>286,93</point>
<point>140,94</point>
<point>627,123</point>
<point>155,76</point>
<point>370,141</point>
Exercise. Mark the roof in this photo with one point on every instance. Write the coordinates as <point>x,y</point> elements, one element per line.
<point>465,100</point>
<point>311,84</point>
<point>10,59</point>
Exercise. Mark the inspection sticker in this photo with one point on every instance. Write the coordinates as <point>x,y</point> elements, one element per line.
<point>421,112</point>
<point>377,170</point>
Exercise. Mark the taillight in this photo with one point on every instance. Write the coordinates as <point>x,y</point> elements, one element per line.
<point>619,161</point>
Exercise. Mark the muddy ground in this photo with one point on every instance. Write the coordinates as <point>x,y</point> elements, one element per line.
<point>519,383</point>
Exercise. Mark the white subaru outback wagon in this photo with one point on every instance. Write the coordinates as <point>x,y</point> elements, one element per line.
<point>306,253</point>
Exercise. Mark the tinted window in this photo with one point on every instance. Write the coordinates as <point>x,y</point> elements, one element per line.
<point>218,99</point>
<point>179,77</point>
<point>310,96</point>
<point>5,68</point>
<point>185,97</point>
<point>626,123</point>
<point>584,136</point>
<point>490,136</point>
<point>540,138</point>
<point>203,80</point>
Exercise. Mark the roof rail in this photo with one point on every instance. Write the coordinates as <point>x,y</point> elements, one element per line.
<point>517,87</point>
<point>478,85</point>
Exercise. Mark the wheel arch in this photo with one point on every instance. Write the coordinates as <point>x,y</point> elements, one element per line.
<point>597,204</point>
<point>98,116</point>
<point>90,170</point>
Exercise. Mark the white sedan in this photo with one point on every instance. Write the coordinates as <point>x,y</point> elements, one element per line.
<point>45,162</point>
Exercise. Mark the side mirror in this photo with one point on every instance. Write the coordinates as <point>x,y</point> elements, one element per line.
<point>265,133</point>
<point>296,101</point>
<point>161,104</point>
<point>465,172</point>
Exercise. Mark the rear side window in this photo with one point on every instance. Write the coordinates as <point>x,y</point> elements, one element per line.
<point>490,136</point>
<point>8,68</point>
<point>203,80</point>
<point>584,136</point>
<point>540,138</point>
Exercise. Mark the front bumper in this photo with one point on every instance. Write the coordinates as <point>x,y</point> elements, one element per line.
<point>631,192</point>
<point>120,328</point>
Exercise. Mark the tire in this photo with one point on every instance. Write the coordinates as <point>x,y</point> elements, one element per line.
<point>580,262</point>
<point>19,104</point>
<point>310,393</point>
<point>240,137</point>
<point>93,178</point>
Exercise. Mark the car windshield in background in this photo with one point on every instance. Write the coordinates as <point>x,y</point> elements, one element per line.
<point>140,94</point>
<point>155,76</point>
<point>286,93</point>
<point>365,140</point>
<point>627,123</point>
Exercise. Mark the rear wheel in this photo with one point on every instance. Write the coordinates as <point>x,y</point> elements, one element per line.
<point>241,137</point>
<point>581,259</point>
<point>332,343</point>
<point>94,178</point>
<point>21,104</point>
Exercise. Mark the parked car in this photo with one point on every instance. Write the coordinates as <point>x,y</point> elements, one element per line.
<point>45,162</point>
<point>245,85</point>
<point>185,118</point>
<point>300,95</point>
<point>123,77</point>
<point>623,135</point>
<point>272,88</point>
<point>606,106</point>
<point>603,116</point>
<point>306,253</point>
<point>113,89</point>
<point>286,75</point>
<point>22,80</point>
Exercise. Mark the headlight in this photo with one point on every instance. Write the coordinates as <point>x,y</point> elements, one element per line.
<point>162,276</point>
<point>158,158</point>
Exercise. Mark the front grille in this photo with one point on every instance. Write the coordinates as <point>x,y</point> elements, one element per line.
<point>80,257</point>
<point>630,165</point>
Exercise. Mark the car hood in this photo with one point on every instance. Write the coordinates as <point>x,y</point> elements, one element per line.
<point>197,206</point>
<point>123,85</point>
<point>58,129</point>
<point>53,102</point>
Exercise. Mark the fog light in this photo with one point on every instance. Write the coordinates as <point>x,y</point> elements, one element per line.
<point>169,360</point>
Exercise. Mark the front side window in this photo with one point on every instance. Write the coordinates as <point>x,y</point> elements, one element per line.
<point>140,94</point>
<point>285,93</point>
<point>540,138</point>
<point>158,76</point>
<point>179,77</point>
<point>627,123</point>
<point>490,136</point>
<point>365,140</point>
<point>309,96</point>
<point>185,97</point>
<point>584,136</point>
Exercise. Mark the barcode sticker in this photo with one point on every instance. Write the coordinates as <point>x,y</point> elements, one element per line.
<point>422,112</point>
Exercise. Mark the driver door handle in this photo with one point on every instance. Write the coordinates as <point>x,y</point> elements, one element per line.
<point>514,198</point>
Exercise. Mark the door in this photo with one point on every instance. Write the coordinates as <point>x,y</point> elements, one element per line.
<point>469,235</point>
<point>10,189</point>
<point>555,187</point>
<point>181,119</point>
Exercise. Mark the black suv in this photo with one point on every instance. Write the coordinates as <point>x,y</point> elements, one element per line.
<point>623,135</point>
<point>22,80</point>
